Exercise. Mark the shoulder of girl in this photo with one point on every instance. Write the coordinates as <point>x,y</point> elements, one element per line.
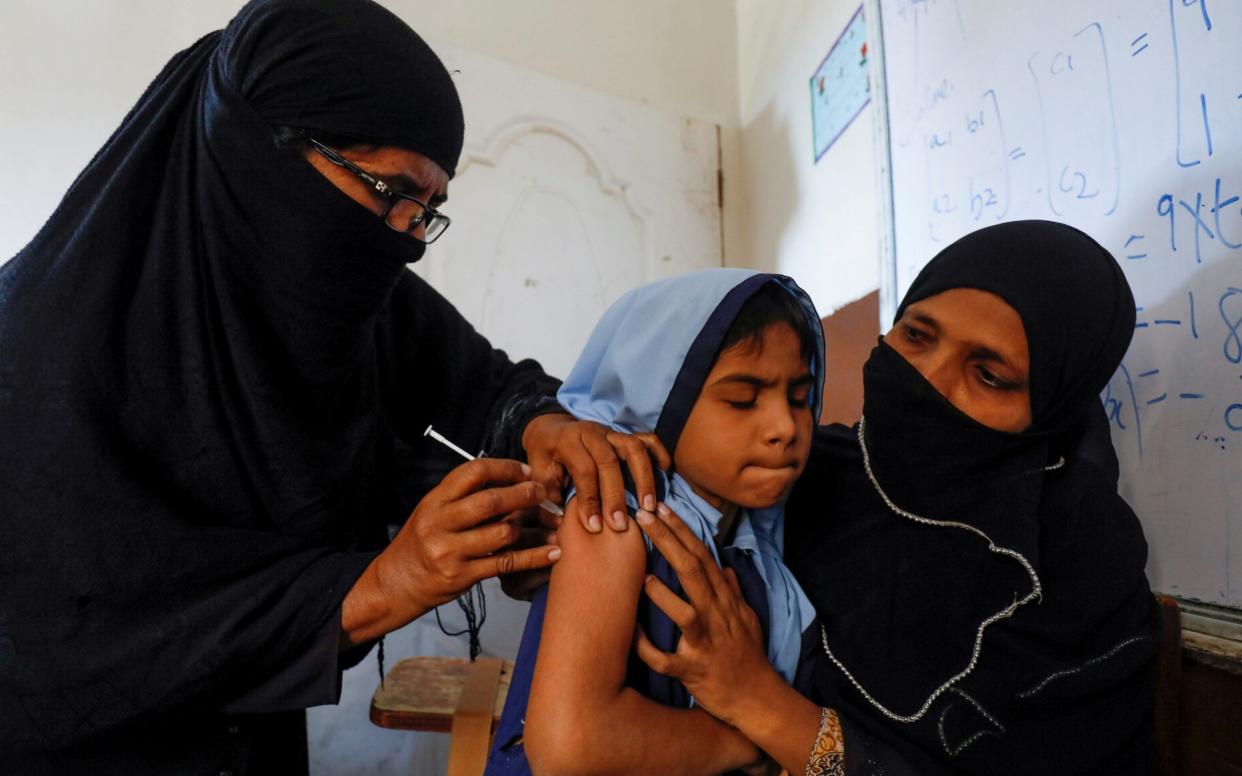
<point>605,546</point>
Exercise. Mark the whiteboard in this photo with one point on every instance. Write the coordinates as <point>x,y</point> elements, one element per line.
<point>1122,118</point>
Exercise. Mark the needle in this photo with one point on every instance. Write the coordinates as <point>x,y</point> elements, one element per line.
<point>546,504</point>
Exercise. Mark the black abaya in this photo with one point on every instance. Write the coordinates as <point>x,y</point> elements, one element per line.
<point>982,593</point>
<point>212,366</point>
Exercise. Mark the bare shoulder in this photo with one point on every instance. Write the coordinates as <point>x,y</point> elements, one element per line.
<point>606,550</point>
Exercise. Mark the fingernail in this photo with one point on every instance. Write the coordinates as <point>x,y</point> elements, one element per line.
<point>650,578</point>
<point>649,502</point>
<point>644,517</point>
<point>618,520</point>
<point>540,491</point>
<point>664,510</point>
<point>554,553</point>
<point>593,524</point>
<point>525,470</point>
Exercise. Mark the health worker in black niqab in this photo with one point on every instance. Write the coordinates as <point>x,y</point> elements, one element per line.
<point>214,366</point>
<point>981,588</point>
<point>982,592</point>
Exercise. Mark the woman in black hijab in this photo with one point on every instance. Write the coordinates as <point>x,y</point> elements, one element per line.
<point>215,372</point>
<point>979,581</point>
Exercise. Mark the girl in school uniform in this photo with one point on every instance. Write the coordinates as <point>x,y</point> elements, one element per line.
<point>979,580</point>
<point>725,368</point>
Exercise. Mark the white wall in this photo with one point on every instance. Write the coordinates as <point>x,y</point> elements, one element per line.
<point>69,70</point>
<point>783,212</point>
<point>674,54</point>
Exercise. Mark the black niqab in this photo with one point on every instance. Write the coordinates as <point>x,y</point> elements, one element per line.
<point>983,594</point>
<point>210,358</point>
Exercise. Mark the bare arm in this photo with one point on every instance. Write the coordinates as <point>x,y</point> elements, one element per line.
<point>591,455</point>
<point>582,718</point>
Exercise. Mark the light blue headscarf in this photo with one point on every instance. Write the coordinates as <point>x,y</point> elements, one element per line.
<point>642,370</point>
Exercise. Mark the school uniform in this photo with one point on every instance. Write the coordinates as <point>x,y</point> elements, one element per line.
<point>642,370</point>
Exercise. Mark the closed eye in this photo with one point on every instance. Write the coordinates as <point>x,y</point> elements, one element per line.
<point>995,381</point>
<point>914,334</point>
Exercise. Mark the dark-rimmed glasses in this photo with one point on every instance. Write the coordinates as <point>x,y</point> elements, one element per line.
<point>403,213</point>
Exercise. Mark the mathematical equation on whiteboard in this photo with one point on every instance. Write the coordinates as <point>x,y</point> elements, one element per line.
<point>1131,394</point>
<point>1131,130</point>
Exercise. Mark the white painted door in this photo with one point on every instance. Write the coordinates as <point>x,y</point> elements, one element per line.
<point>565,198</point>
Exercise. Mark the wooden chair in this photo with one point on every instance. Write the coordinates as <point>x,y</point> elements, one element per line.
<point>447,695</point>
<point>1168,686</point>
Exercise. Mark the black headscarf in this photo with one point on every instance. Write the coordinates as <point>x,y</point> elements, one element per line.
<point>204,356</point>
<point>983,594</point>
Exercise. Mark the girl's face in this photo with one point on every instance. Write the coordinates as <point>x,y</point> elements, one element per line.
<point>749,433</point>
<point>971,346</point>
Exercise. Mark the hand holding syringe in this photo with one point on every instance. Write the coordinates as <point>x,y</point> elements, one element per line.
<point>458,534</point>
<point>546,505</point>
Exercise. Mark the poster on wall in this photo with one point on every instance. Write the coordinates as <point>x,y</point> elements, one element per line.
<point>840,88</point>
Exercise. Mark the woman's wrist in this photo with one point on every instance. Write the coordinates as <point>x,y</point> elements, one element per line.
<point>739,753</point>
<point>777,718</point>
<point>366,610</point>
<point>751,703</point>
<point>540,428</point>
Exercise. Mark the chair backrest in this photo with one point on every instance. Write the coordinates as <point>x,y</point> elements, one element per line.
<point>1168,686</point>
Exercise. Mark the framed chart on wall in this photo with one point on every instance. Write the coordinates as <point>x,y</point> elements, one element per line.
<point>841,86</point>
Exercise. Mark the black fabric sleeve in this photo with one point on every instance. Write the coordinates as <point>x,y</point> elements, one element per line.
<point>504,440</point>
<point>251,626</point>
<point>436,369</point>
<point>128,600</point>
<point>310,675</point>
<point>866,755</point>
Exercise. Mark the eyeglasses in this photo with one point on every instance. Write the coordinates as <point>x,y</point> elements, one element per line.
<point>403,212</point>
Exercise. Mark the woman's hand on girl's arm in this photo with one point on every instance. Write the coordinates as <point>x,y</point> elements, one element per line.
<point>721,648</point>
<point>721,657</point>
<point>591,454</point>
<point>557,446</point>
<point>582,718</point>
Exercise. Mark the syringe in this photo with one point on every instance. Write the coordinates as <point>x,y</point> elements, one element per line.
<point>546,504</point>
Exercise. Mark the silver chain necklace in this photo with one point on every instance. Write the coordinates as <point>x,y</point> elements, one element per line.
<point>1036,592</point>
